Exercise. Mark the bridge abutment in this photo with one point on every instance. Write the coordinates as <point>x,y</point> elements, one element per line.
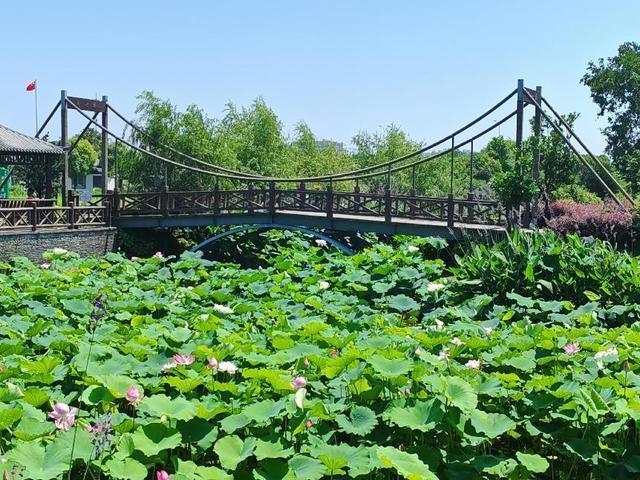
<point>85,242</point>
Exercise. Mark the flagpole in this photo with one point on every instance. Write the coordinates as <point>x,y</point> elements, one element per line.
<point>37,127</point>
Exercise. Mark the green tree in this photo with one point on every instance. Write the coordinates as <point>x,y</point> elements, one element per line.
<point>83,158</point>
<point>615,88</point>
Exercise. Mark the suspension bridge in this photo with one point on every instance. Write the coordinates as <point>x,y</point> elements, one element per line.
<point>337,201</point>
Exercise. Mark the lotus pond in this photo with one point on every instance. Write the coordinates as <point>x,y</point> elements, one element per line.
<point>516,361</point>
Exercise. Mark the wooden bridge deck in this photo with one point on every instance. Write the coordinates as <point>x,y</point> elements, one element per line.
<point>386,213</point>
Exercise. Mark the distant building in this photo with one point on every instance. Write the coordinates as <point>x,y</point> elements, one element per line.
<point>92,180</point>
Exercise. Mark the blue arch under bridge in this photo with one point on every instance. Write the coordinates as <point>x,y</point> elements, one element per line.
<point>271,226</point>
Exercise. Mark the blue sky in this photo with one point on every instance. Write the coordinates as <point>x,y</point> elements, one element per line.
<point>341,66</point>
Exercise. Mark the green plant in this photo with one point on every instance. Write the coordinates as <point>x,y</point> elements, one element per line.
<point>314,366</point>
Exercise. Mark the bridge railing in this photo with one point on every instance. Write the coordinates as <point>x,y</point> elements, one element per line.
<point>387,206</point>
<point>36,217</point>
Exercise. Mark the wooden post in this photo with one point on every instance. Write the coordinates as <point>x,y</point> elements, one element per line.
<point>303,196</point>
<point>520,115</point>
<point>216,197</point>
<point>34,216</point>
<point>72,215</point>
<point>104,162</point>
<point>64,139</point>
<point>387,203</point>
<point>470,199</point>
<point>450,210</point>
<point>164,201</point>
<point>451,172</point>
<point>250,198</point>
<point>535,170</point>
<point>272,198</point>
<point>329,200</point>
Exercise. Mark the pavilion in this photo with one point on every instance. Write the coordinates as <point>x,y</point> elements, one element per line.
<point>18,149</point>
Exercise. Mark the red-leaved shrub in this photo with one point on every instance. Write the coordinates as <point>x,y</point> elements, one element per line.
<point>604,221</point>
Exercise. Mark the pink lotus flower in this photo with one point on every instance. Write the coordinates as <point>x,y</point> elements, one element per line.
<point>133,396</point>
<point>309,424</point>
<point>334,353</point>
<point>162,475</point>
<point>474,364</point>
<point>228,367</point>
<point>183,359</point>
<point>134,259</point>
<point>571,348</point>
<point>299,382</point>
<point>457,342</point>
<point>212,364</point>
<point>158,255</point>
<point>63,416</point>
<point>487,330</point>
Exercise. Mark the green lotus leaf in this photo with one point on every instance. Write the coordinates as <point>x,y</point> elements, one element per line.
<point>190,471</point>
<point>161,405</point>
<point>41,463</point>
<point>231,423</point>
<point>361,421</point>
<point>423,416</point>
<point>491,424</point>
<point>533,462</point>
<point>264,410</point>
<point>402,303</point>
<point>390,368</point>
<point>406,464</point>
<point>9,416</point>
<point>272,450</point>
<point>307,468</point>
<point>153,438</point>
<point>126,469</point>
<point>460,393</point>
<point>231,450</point>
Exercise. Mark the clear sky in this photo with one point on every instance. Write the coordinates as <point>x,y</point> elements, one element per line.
<point>341,66</point>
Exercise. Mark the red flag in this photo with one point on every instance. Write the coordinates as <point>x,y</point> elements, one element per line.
<point>31,87</point>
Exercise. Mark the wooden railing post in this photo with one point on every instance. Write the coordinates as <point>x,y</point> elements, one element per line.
<point>216,198</point>
<point>115,204</point>
<point>164,201</point>
<point>470,216</point>
<point>451,206</point>
<point>329,205</point>
<point>107,213</point>
<point>72,214</point>
<point>250,198</point>
<point>387,203</point>
<point>302,199</point>
<point>34,217</point>
<point>272,198</point>
<point>356,196</point>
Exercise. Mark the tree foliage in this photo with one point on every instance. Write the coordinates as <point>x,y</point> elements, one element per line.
<point>615,88</point>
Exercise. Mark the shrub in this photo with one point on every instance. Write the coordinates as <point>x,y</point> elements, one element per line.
<point>576,193</point>
<point>603,221</point>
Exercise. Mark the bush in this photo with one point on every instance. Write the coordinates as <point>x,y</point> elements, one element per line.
<point>576,193</point>
<point>604,221</point>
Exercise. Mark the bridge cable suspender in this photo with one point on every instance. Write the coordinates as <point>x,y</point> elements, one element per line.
<point>573,149</point>
<point>337,175</point>
<point>593,157</point>
<point>341,177</point>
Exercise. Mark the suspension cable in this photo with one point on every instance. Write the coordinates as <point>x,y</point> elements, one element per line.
<point>593,157</point>
<point>336,176</point>
<point>351,176</point>
<point>573,149</point>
